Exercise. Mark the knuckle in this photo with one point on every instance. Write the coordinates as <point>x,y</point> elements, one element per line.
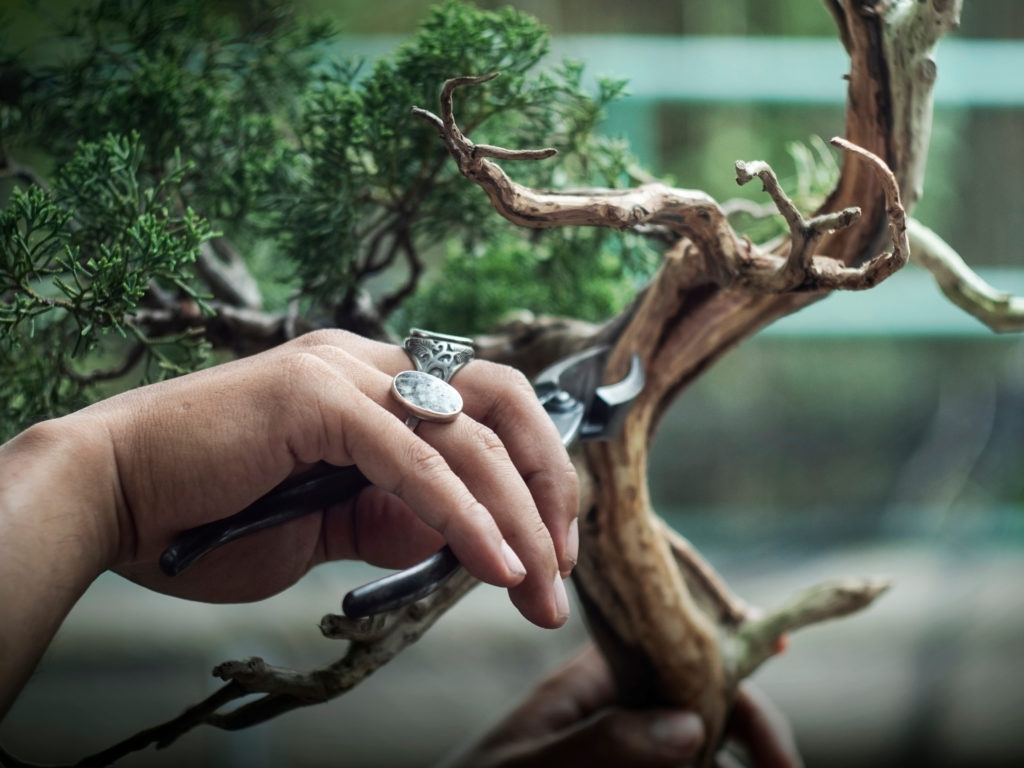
<point>323,337</point>
<point>423,464</point>
<point>301,371</point>
<point>561,482</point>
<point>569,476</point>
<point>509,389</point>
<point>515,380</point>
<point>540,531</point>
<point>484,450</point>
<point>310,402</point>
<point>475,515</point>
<point>490,444</point>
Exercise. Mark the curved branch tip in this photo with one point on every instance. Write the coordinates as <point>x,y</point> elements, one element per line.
<point>429,116</point>
<point>457,82</point>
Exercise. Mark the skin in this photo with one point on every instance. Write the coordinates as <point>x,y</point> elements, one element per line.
<point>108,487</point>
<point>571,720</point>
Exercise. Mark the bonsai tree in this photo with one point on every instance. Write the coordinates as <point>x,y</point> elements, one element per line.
<point>187,185</point>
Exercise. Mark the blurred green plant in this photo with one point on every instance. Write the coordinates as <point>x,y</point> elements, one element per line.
<point>205,177</point>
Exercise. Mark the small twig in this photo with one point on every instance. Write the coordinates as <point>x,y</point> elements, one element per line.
<point>758,639</point>
<point>159,736</point>
<point>1001,311</point>
<point>394,300</point>
<point>499,153</point>
<point>747,207</point>
<point>227,325</point>
<point>458,144</point>
<point>805,234</point>
<point>374,642</point>
<point>894,209</point>
<point>133,356</point>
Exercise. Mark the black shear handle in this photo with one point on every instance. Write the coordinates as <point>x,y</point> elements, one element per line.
<point>297,496</point>
<point>401,588</point>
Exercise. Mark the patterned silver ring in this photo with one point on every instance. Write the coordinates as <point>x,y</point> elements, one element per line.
<point>438,354</point>
<point>425,392</point>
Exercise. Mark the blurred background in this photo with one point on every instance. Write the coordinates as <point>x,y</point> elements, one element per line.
<point>871,434</point>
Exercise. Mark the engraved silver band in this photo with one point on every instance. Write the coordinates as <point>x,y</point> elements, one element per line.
<point>438,354</point>
<point>425,392</point>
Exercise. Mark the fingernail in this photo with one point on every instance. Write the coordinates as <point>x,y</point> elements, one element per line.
<point>512,559</point>
<point>681,733</point>
<point>561,598</point>
<point>572,541</point>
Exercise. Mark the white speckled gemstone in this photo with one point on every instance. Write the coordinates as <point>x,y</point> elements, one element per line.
<point>427,397</point>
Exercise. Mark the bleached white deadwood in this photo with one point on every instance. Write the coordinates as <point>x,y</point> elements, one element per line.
<point>999,310</point>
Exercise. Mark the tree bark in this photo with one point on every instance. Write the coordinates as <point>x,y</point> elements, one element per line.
<point>672,634</point>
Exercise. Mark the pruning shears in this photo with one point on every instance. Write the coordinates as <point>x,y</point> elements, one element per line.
<point>570,392</point>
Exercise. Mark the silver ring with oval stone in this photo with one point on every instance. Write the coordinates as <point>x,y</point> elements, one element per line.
<point>425,392</point>
<point>426,397</point>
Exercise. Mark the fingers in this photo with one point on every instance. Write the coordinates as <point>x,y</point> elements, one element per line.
<point>378,528</point>
<point>571,693</point>
<point>763,731</point>
<point>496,482</point>
<point>575,702</point>
<point>569,721</point>
<point>617,737</point>
<point>395,460</point>
<point>502,399</point>
<point>476,455</point>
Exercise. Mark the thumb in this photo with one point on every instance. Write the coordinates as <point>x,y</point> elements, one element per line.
<point>653,738</point>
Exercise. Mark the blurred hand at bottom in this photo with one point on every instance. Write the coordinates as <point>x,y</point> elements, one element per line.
<point>571,721</point>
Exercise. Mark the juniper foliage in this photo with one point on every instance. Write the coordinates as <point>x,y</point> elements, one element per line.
<point>154,152</point>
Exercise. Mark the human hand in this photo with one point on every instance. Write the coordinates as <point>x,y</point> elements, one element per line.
<point>203,446</point>
<point>570,721</point>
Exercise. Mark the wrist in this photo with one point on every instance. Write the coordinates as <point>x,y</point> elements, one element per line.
<point>58,489</point>
<point>58,531</point>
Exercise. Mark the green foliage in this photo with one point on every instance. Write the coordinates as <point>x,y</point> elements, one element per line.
<point>65,282</point>
<point>373,186</point>
<point>162,122</point>
<point>470,292</point>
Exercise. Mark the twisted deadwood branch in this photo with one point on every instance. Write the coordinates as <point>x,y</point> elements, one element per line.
<point>670,628</point>
<point>666,621</point>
